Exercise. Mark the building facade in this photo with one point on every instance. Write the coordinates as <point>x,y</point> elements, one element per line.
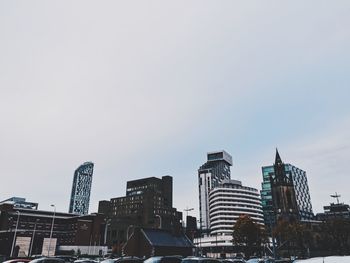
<point>298,185</point>
<point>228,202</point>
<point>81,189</point>
<point>334,210</point>
<point>20,202</point>
<point>210,175</point>
<point>147,203</point>
<point>34,227</point>
<point>191,227</point>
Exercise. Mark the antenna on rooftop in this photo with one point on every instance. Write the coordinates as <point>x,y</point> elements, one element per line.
<point>336,196</point>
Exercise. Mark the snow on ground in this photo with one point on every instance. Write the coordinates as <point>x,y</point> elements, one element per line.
<point>332,259</point>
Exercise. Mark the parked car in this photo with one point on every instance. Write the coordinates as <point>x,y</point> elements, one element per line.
<point>164,259</point>
<point>261,260</point>
<point>36,256</point>
<point>48,260</point>
<point>67,259</point>
<point>85,260</point>
<point>233,260</point>
<point>17,260</point>
<point>123,260</point>
<point>200,260</point>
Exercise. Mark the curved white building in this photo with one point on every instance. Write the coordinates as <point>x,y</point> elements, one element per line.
<point>230,200</point>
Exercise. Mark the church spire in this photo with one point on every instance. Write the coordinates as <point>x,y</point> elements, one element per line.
<point>278,159</point>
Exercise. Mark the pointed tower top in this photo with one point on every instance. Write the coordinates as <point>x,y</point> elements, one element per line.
<point>278,159</point>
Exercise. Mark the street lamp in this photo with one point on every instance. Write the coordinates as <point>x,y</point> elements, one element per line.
<point>53,221</point>
<point>127,232</point>
<point>160,221</point>
<point>31,244</point>
<point>108,221</point>
<point>14,236</point>
<point>271,214</point>
<point>188,210</point>
<point>200,236</point>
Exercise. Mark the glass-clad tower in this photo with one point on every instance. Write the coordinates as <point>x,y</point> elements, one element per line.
<point>81,189</point>
<point>301,189</point>
<point>210,175</point>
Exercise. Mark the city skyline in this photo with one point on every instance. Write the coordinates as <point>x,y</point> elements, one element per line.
<point>194,209</point>
<point>144,93</point>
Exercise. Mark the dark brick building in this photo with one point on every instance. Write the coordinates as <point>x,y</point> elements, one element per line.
<point>191,227</point>
<point>148,203</point>
<point>332,211</point>
<point>69,229</point>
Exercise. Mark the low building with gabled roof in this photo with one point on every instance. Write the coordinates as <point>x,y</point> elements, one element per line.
<point>145,242</point>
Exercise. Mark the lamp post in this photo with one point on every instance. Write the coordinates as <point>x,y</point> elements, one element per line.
<point>127,232</point>
<point>108,221</point>
<point>14,235</point>
<point>200,236</point>
<point>160,221</point>
<point>31,244</point>
<point>53,222</point>
<point>188,210</point>
<point>271,214</point>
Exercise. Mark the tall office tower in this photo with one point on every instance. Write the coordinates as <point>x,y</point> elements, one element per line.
<point>81,189</point>
<point>228,202</point>
<point>284,187</point>
<point>210,175</point>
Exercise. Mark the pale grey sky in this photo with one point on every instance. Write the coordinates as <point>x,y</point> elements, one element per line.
<point>146,88</point>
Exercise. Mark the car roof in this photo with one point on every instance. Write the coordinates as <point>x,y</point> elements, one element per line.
<point>201,258</point>
<point>17,260</point>
<point>136,259</point>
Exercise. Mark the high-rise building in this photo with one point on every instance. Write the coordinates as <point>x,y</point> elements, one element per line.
<point>229,201</point>
<point>81,189</point>
<point>285,192</point>
<point>210,175</point>
<point>147,203</point>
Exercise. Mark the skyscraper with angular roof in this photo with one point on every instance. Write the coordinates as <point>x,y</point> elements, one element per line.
<point>210,175</point>
<point>81,189</point>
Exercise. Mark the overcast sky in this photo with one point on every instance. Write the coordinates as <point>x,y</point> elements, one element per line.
<point>146,88</point>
